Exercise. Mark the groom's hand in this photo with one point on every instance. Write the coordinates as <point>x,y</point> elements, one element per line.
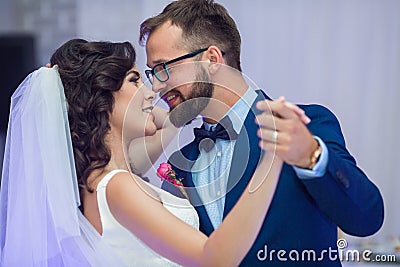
<point>283,130</point>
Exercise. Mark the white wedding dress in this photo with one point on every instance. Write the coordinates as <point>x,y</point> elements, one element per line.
<point>127,245</point>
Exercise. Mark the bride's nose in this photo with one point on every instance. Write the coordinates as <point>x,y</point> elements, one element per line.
<point>149,95</point>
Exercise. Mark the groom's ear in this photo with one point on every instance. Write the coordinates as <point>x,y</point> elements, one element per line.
<point>215,57</point>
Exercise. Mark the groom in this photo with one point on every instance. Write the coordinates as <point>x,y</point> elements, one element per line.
<point>320,188</point>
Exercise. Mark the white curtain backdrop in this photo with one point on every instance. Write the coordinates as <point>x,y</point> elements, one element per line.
<point>344,54</point>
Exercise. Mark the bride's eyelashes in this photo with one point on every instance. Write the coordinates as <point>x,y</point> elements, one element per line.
<point>134,79</point>
<point>133,76</point>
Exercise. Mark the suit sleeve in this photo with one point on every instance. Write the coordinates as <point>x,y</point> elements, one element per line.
<point>344,193</point>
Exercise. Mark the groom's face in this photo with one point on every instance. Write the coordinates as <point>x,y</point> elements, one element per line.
<point>188,89</point>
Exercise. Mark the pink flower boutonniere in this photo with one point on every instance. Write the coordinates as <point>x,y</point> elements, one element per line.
<point>165,172</point>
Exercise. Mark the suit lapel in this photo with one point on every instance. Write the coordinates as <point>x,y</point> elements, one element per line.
<point>245,157</point>
<point>183,161</point>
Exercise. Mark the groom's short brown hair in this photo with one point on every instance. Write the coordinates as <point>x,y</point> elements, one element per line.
<point>203,23</point>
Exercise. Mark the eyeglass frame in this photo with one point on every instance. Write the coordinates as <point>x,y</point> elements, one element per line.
<point>150,73</point>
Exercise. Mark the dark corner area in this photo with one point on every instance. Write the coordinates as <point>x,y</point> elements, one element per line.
<point>17,57</point>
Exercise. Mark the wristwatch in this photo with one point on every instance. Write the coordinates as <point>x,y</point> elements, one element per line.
<point>315,156</point>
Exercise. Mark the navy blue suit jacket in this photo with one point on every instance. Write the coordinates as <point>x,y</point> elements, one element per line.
<point>304,214</point>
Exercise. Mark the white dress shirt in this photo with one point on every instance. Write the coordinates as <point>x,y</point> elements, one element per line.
<point>210,172</point>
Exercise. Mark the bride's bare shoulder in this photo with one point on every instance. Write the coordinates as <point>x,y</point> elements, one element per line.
<point>128,185</point>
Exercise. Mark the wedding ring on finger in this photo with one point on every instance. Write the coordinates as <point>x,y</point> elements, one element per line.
<point>274,136</point>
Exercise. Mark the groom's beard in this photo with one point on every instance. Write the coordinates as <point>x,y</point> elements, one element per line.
<point>193,105</point>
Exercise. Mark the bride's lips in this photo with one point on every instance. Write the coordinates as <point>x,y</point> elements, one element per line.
<point>148,110</point>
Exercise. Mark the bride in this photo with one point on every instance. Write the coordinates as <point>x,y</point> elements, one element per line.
<point>66,132</point>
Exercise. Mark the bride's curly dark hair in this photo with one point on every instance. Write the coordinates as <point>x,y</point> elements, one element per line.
<point>90,73</point>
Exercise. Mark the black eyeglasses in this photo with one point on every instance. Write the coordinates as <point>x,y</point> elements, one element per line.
<point>160,71</point>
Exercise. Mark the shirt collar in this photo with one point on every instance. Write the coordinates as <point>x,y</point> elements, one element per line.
<point>242,106</point>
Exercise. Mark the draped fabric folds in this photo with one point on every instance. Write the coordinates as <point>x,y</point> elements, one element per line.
<point>40,223</point>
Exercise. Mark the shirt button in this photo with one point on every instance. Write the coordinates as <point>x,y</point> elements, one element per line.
<point>219,154</point>
<point>218,193</point>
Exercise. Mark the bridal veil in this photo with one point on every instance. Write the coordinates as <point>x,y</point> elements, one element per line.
<point>40,223</point>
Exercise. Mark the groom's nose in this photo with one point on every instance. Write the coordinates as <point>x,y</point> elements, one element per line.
<point>158,86</point>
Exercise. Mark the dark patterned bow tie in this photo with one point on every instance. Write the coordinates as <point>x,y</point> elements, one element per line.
<point>206,139</point>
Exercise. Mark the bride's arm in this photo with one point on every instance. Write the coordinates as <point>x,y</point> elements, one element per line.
<point>143,152</point>
<point>147,219</point>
